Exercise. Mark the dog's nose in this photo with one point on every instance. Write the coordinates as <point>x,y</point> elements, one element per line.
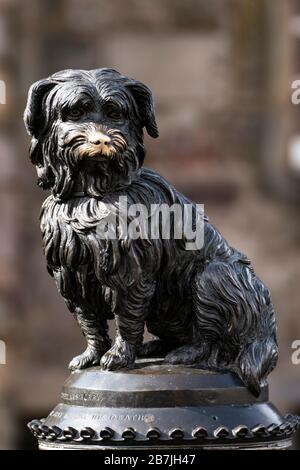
<point>98,138</point>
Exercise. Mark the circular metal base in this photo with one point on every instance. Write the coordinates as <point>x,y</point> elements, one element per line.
<point>159,406</point>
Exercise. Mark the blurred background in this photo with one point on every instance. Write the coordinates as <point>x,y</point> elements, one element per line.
<point>221,72</point>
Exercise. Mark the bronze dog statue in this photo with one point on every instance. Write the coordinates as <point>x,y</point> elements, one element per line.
<point>205,306</point>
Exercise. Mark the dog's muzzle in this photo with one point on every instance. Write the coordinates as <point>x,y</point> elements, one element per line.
<point>94,141</point>
<point>100,142</point>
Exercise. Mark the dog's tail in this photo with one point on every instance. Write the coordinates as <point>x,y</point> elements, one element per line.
<point>259,353</point>
<point>235,315</point>
<point>255,362</point>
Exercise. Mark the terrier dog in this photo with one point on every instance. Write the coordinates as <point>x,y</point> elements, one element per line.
<point>205,306</point>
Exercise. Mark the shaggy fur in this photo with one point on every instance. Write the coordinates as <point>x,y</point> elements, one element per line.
<point>206,307</point>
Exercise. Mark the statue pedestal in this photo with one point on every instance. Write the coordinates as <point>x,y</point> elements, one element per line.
<point>157,406</point>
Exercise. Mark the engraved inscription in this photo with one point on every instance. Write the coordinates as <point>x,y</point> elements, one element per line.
<point>80,396</point>
<point>56,414</point>
<point>123,417</point>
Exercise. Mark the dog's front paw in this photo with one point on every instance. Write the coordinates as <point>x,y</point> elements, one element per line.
<point>121,355</point>
<point>90,357</point>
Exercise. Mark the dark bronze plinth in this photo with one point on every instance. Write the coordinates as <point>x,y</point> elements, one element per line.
<point>157,406</point>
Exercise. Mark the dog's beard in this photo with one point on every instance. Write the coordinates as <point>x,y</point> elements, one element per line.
<point>80,168</point>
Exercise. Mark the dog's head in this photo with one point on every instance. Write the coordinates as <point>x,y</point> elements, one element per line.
<point>87,130</point>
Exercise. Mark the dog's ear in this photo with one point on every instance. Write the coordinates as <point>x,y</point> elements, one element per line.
<point>36,117</point>
<point>144,101</point>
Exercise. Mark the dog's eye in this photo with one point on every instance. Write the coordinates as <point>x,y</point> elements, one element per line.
<point>114,115</point>
<point>113,111</point>
<point>75,113</point>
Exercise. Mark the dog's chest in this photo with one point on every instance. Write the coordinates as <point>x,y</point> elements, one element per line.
<point>83,234</point>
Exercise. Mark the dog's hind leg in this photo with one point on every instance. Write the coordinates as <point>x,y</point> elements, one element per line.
<point>188,355</point>
<point>156,348</point>
<point>235,322</point>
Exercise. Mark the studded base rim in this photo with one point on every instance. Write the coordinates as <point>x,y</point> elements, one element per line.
<point>241,436</point>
